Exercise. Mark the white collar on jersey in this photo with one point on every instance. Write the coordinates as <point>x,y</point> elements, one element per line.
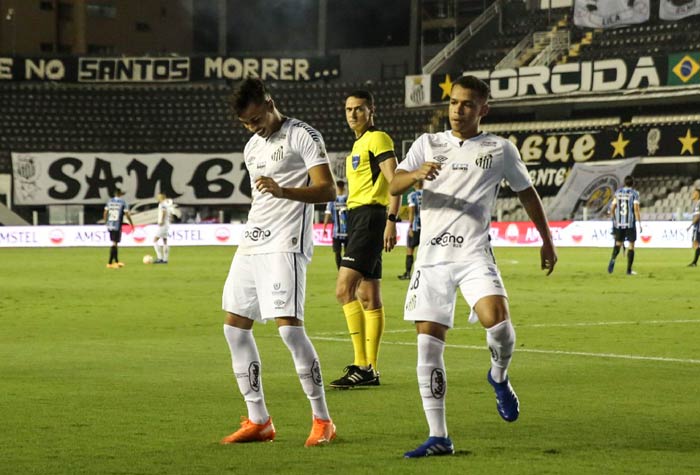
<point>459,142</point>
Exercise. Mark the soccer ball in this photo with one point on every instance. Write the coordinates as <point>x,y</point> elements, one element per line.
<point>148,259</point>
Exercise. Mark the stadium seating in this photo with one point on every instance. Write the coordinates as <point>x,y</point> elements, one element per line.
<point>177,118</point>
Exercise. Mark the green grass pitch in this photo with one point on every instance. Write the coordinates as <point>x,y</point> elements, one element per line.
<point>127,372</point>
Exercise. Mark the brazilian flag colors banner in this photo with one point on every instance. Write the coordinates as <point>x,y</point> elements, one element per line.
<point>683,69</point>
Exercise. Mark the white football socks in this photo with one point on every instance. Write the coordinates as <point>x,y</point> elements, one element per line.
<point>166,252</point>
<point>432,382</point>
<point>247,370</point>
<point>159,251</point>
<point>307,366</point>
<point>501,341</point>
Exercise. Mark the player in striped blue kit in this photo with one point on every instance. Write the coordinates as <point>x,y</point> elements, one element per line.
<point>415,199</point>
<point>115,210</point>
<point>695,225</point>
<point>337,213</point>
<point>625,213</point>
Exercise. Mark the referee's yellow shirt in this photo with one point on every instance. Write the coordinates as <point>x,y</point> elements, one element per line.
<point>366,183</point>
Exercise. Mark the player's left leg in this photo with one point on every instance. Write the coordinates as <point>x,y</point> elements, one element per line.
<point>696,246</point>
<point>308,369</point>
<point>630,258</point>
<point>166,250</point>
<point>492,311</point>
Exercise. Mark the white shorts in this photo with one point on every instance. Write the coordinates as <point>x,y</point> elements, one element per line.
<point>162,232</point>
<point>266,286</point>
<point>432,291</point>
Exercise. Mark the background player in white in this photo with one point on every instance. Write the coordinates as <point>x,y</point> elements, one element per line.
<point>625,214</point>
<point>695,225</point>
<point>164,215</point>
<point>289,171</point>
<point>114,212</point>
<point>461,171</point>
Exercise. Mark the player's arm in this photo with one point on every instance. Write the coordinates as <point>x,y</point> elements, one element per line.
<point>388,169</point>
<point>403,180</point>
<point>104,215</point>
<point>533,205</point>
<point>411,217</point>
<point>638,215</point>
<point>128,218</point>
<point>161,215</point>
<point>322,187</point>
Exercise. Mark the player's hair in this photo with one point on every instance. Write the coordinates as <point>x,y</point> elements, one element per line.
<point>475,84</point>
<point>363,94</point>
<point>249,91</point>
<point>340,184</point>
<point>118,192</point>
<point>629,180</point>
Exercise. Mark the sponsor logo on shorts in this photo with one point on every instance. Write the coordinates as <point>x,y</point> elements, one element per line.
<point>411,304</point>
<point>438,383</point>
<point>279,304</point>
<point>254,375</point>
<point>447,239</point>
<point>257,234</point>
<point>346,258</point>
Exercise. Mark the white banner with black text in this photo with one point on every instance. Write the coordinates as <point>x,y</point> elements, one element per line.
<point>48,178</point>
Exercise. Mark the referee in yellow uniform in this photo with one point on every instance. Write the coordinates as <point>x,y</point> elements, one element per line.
<point>371,228</point>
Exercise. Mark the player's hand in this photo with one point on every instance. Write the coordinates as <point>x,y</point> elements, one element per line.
<point>410,232</point>
<point>325,233</point>
<point>548,258</point>
<point>428,171</point>
<point>389,236</point>
<point>265,184</point>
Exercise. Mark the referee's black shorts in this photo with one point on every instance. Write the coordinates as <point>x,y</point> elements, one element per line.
<point>365,241</point>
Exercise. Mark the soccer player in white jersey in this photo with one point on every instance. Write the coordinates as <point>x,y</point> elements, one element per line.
<point>164,214</point>
<point>289,171</point>
<point>461,171</point>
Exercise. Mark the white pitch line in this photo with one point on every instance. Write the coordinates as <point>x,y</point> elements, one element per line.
<point>546,325</point>
<point>546,352</point>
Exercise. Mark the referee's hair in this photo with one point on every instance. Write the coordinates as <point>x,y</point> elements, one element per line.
<point>363,94</point>
<point>475,84</point>
<point>250,91</point>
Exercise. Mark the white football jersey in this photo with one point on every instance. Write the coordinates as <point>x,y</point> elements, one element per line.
<point>278,224</point>
<point>456,207</point>
<point>164,212</point>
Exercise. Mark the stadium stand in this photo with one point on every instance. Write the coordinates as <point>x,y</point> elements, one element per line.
<point>184,118</point>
